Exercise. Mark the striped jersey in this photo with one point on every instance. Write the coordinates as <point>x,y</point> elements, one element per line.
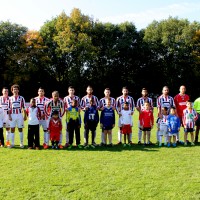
<point>17,104</point>
<point>51,106</point>
<point>85,101</point>
<point>40,102</point>
<point>142,100</point>
<point>167,101</point>
<point>189,118</point>
<point>120,103</point>
<point>102,102</point>
<point>68,101</point>
<point>5,103</point>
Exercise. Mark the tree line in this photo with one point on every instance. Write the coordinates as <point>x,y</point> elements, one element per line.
<point>77,50</point>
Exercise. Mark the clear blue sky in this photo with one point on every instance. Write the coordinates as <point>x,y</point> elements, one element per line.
<point>33,13</point>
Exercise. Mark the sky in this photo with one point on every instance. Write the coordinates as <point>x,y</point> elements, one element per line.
<point>34,13</point>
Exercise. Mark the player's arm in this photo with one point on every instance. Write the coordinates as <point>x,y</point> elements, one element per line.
<point>132,106</point>
<point>24,109</point>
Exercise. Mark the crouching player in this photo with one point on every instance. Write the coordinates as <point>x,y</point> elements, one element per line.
<point>55,128</point>
<point>162,126</point>
<point>107,121</point>
<point>146,122</point>
<point>173,123</point>
<point>189,118</point>
<point>73,120</point>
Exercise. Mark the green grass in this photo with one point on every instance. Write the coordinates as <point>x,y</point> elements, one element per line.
<point>135,172</point>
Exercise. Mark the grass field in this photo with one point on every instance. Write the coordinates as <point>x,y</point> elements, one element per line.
<point>135,172</point>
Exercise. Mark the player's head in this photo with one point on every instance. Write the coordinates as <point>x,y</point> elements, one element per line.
<point>71,90</point>
<point>126,106</point>
<point>107,92</point>
<point>55,95</point>
<point>89,90</point>
<point>32,102</point>
<point>189,104</point>
<point>164,110</point>
<point>108,102</point>
<point>144,92</point>
<point>125,91</point>
<point>91,101</point>
<point>165,90</point>
<point>55,114</point>
<point>15,89</point>
<point>172,110</point>
<point>5,91</point>
<point>74,102</point>
<point>146,106</point>
<point>182,89</point>
<point>41,92</point>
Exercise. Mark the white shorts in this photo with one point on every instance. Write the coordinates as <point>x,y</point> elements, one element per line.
<point>43,123</point>
<point>173,134</point>
<point>17,120</point>
<point>163,133</point>
<point>6,121</point>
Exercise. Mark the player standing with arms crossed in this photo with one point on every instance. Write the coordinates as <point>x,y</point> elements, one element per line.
<point>124,98</point>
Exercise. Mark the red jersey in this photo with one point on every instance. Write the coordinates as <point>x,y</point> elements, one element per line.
<point>180,102</point>
<point>146,118</point>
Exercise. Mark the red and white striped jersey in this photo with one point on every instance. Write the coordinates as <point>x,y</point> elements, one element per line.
<point>142,100</point>
<point>85,101</point>
<point>189,118</point>
<point>102,102</point>
<point>167,101</point>
<point>40,102</point>
<point>5,103</point>
<point>68,101</point>
<point>17,104</point>
<point>51,106</point>
<point>120,103</point>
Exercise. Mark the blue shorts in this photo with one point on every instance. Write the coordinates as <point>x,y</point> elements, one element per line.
<point>107,128</point>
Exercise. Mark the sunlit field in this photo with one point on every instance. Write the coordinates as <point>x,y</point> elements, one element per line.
<point>136,172</point>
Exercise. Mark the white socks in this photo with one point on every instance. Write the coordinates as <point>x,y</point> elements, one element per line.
<point>12,138</point>
<point>60,142</point>
<point>102,138</point>
<point>139,135</point>
<point>7,135</point>
<point>119,136</point>
<point>21,137</point>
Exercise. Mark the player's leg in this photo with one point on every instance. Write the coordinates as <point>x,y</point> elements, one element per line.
<point>30,137</point>
<point>110,137</point>
<point>105,136</point>
<point>12,131</point>
<point>1,137</point>
<point>148,136</point>
<point>67,137</point>
<point>37,136</point>
<point>78,140</point>
<point>197,134</point>
<point>139,133</point>
<point>144,137</point>
<point>20,125</point>
<point>192,138</point>
<point>119,132</point>
<point>185,136</point>
<point>174,140</point>
<point>160,137</point>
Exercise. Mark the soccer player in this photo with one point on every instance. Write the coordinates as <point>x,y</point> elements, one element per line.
<point>196,106</point>
<point>140,108</point>
<point>55,103</point>
<point>91,119</point>
<point>173,123</point>
<point>146,122</point>
<point>164,100</point>
<point>34,114</point>
<point>73,121</point>
<point>40,101</point>
<point>85,104</point>
<point>189,118</point>
<point>5,104</point>
<point>17,103</point>
<point>1,127</point>
<point>162,126</point>
<point>120,106</point>
<point>68,102</point>
<point>102,104</point>
<point>107,121</point>
<point>55,129</point>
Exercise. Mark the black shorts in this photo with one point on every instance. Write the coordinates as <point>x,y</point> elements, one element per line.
<point>197,123</point>
<point>188,130</point>
<point>107,128</point>
<point>146,129</point>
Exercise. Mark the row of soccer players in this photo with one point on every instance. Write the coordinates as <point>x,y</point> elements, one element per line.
<point>13,106</point>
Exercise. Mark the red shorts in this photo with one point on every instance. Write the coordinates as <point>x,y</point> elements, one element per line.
<point>54,136</point>
<point>126,129</point>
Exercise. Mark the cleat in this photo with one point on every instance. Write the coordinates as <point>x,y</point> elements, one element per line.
<point>119,143</point>
<point>192,144</point>
<point>168,145</point>
<point>53,147</point>
<point>92,145</point>
<point>185,144</point>
<point>37,148</point>
<point>21,146</point>
<point>174,144</point>
<point>160,144</point>
<point>70,146</point>
<point>79,146</point>
<point>139,142</point>
<point>60,146</point>
<point>46,146</point>
<point>56,147</point>
<point>67,145</point>
<point>7,143</point>
<point>124,145</point>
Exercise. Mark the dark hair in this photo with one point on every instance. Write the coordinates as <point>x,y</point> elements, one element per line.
<point>32,99</point>
<point>125,87</point>
<point>70,87</point>
<point>55,112</point>
<point>107,88</point>
<point>144,88</point>
<point>165,108</point>
<point>6,88</point>
<point>126,103</point>
<point>173,108</point>
<point>188,101</point>
<point>40,88</point>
